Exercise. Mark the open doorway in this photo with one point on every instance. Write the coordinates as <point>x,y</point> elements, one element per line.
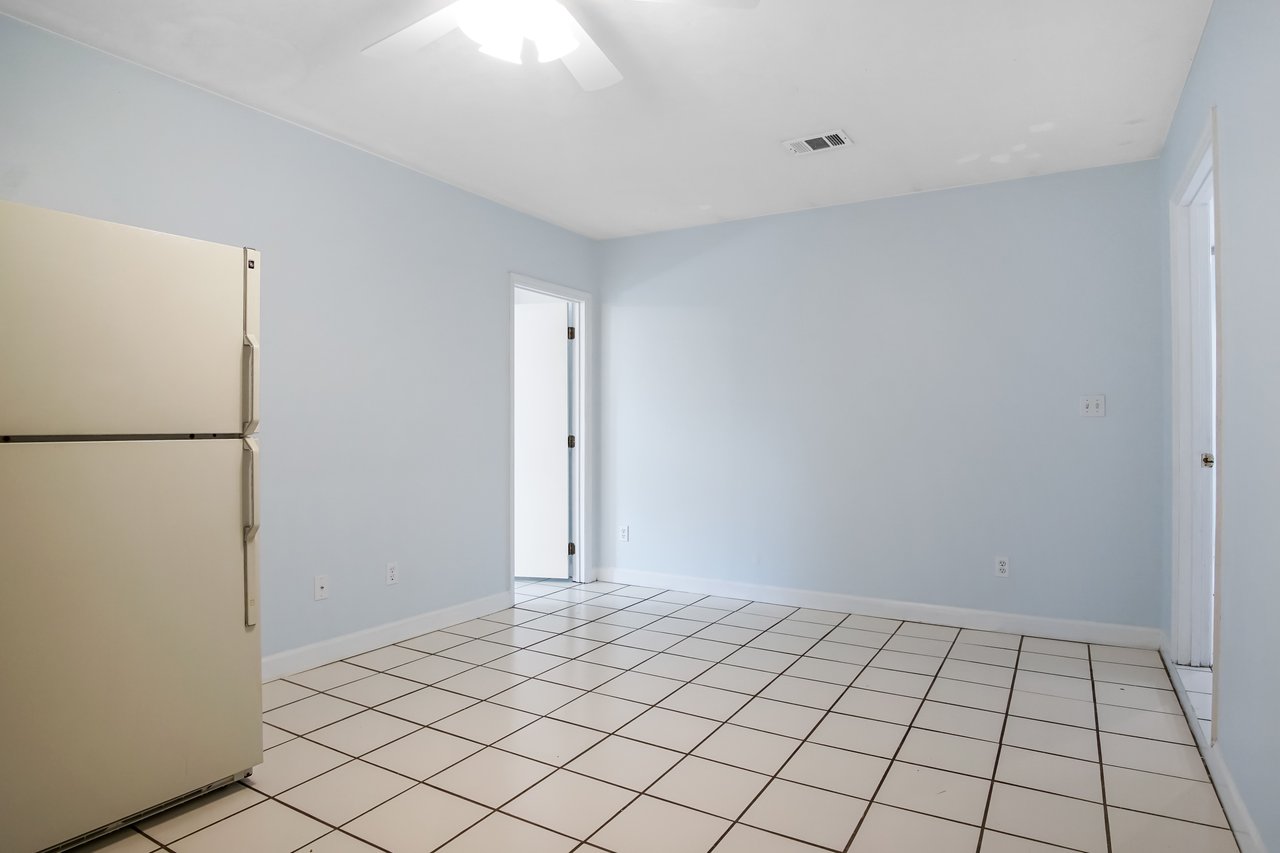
<point>548,440</point>
<point>1196,414</point>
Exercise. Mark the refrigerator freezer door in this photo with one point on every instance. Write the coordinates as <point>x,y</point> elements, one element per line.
<point>111,330</point>
<point>128,676</point>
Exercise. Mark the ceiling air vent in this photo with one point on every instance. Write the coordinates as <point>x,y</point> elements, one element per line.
<point>822,142</point>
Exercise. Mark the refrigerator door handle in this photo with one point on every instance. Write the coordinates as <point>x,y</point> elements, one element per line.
<point>252,502</point>
<point>251,384</point>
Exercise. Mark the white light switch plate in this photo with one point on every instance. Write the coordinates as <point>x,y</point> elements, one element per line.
<point>1093,406</point>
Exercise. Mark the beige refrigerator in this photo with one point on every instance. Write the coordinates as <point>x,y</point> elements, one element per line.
<point>130,662</point>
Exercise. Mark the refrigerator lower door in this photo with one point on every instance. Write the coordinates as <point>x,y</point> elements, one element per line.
<point>128,676</point>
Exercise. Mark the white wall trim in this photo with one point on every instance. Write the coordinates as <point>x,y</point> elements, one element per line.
<point>337,648</point>
<point>1247,835</point>
<point>937,614</point>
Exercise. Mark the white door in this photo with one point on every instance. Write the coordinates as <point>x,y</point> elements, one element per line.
<point>1204,411</point>
<point>1194,267</point>
<point>542,429</point>
<point>111,330</point>
<point>129,675</point>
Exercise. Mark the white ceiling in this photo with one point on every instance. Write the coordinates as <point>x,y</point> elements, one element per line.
<point>935,93</point>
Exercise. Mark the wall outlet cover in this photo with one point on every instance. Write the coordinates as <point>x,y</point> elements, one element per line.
<point>321,587</point>
<point>1002,567</point>
<point>624,533</point>
<point>393,573</point>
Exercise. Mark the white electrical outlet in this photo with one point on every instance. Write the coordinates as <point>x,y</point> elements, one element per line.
<point>624,533</point>
<point>393,574</point>
<point>1093,406</point>
<point>322,587</point>
<point>1002,567</point>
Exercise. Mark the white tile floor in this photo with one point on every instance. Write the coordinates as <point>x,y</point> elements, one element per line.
<point>633,720</point>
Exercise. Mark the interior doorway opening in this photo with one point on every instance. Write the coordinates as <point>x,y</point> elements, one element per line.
<point>1197,505</point>
<point>548,440</point>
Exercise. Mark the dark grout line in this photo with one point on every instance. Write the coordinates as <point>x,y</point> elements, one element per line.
<point>995,768</point>
<point>1102,774</point>
<point>889,769</point>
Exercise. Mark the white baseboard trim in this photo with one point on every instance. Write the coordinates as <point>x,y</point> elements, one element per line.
<point>328,651</point>
<point>937,614</point>
<point>1247,835</point>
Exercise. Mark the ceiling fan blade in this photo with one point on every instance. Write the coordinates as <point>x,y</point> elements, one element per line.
<point>588,64</point>
<point>729,4</point>
<point>416,36</point>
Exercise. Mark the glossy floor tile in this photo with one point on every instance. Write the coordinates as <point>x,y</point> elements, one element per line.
<point>604,717</point>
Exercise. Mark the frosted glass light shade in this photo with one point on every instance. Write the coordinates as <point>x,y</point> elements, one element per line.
<point>500,27</point>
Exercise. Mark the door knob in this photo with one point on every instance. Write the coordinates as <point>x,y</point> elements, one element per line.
<point>1206,460</point>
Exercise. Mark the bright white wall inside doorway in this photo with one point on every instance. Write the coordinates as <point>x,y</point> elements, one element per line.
<point>542,426</point>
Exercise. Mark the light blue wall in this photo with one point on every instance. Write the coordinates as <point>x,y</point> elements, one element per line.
<point>385,311</point>
<point>1238,71</point>
<point>879,399</point>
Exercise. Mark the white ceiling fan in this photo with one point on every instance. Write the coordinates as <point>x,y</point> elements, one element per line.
<point>501,28</point>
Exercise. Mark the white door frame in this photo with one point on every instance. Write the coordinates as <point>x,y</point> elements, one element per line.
<point>1202,166</point>
<point>582,568</point>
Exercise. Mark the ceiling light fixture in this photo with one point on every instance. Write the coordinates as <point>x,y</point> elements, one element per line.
<point>500,27</point>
